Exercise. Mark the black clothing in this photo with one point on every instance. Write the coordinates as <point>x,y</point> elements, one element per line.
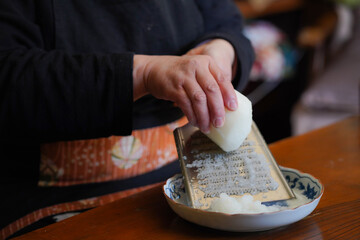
<point>66,72</point>
<point>86,49</point>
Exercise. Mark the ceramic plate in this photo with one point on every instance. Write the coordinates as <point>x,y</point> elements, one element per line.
<point>307,189</point>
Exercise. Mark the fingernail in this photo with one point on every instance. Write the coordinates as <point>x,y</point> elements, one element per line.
<point>206,131</point>
<point>232,105</point>
<point>218,122</point>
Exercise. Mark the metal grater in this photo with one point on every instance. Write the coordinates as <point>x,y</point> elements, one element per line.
<point>209,171</point>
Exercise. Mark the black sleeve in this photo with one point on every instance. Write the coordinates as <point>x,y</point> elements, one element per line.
<point>222,19</point>
<point>51,95</point>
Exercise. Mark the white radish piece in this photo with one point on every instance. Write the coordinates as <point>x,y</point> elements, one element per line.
<point>236,128</point>
<point>244,204</point>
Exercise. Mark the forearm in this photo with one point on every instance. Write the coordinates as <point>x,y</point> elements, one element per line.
<point>57,96</point>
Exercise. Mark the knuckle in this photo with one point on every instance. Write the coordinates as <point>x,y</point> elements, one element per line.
<point>188,66</point>
<point>207,58</point>
<point>221,78</point>
<point>224,78</point>
<point>194,62</point>
<point>212,88</point>
<point>199,97</point>
<point>178,85</point>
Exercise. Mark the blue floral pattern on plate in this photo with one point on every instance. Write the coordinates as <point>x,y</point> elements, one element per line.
<point>308,186</point>
<point>175,187</point>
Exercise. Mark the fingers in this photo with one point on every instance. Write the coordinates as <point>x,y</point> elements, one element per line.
<point>210,87</point>
<point>206,95</point>
<point>186,106</point>
<point>225,86</point>
<point>223,56</point>
<point>199,107</point>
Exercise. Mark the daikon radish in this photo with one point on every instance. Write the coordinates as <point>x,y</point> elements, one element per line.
<point>236,128</point>
<point>245,204</point>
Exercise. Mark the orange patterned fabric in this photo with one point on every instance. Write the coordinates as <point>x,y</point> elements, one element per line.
<point>99,160</point>
<point>104,159</point>
<point>66,207</point>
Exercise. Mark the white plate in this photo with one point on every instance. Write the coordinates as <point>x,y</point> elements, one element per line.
<point>308,189</point>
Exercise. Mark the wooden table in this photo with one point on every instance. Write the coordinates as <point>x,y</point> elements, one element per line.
<point>331,154</point>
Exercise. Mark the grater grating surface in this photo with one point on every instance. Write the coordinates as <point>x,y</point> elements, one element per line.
<point>209,171</point>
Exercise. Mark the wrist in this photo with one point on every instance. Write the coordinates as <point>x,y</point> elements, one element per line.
<point>230,51</point>
<point>139,69</point>
<point>227,47</point>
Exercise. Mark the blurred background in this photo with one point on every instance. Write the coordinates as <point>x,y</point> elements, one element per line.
<point>307,69</point>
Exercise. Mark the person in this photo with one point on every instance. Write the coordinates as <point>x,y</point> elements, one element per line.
<point>90,92</point>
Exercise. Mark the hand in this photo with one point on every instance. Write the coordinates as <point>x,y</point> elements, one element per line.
<point>195,83</point>
<point>223,54</point>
